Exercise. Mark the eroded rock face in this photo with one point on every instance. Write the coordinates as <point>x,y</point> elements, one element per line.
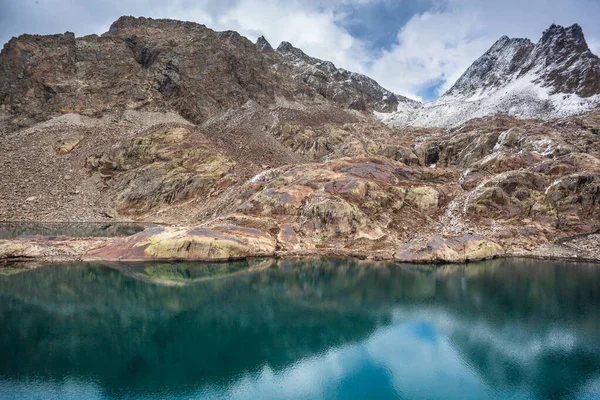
<point>162,166</point>
<point>576,198</point>
<point>423,198</point>
<point>157,64</point>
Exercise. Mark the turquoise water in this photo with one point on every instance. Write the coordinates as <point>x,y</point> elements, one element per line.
<point>301,329</point>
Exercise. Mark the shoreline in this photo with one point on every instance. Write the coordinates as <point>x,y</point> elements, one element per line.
<point>57,250</point>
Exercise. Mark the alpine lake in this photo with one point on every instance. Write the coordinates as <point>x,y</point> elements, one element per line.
<point>307,328</point>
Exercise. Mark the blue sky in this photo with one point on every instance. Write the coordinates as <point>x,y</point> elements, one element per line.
<point>416,48</point>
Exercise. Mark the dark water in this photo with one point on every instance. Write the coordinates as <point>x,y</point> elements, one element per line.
<point>301,329</point>
<point>11,230</point>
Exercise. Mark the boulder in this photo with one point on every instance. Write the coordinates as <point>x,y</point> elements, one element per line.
<point>16,249</point>
<point>69,144</point>
<point>424,198</point>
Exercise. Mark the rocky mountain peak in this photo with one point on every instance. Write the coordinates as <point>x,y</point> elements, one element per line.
<point>357,90</point>
<point>494,68</point>
<point>169,65</point>
<point>564,63</point>
<point>560,62</point>
<point>143,23</point>
<point>263,45</point>
<point>287,49</point>
<point>559,36</point>
<point>555,77</point>
<point>505,42</point>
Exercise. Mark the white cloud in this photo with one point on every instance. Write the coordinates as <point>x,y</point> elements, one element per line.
<point>431,47</point>
<point>316,31</point>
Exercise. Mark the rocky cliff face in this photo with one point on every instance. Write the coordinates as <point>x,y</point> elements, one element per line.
<point>252,150</point>
<point>354,90</point>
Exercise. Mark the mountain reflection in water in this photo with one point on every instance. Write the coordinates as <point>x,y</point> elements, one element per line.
<point>15,229</point>
<point>301,328</point>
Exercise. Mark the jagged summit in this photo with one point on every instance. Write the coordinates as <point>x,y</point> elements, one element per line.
<point>130,22</point>
<point>560,36</point>
<point>494,69</point>
<point>263,45</point>
<point>293,54</point>
<point>564,62</point>
<point>561,61</point>
<point>337,82</point>
<point>287,47</point>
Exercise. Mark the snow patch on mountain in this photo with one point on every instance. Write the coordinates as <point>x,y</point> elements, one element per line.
<point>522,98</point>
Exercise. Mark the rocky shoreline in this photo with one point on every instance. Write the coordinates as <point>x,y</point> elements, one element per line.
<point>148,246</point>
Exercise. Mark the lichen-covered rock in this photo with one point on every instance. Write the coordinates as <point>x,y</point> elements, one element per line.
<point>17,249</point>
<point>423,198</point>
<point>400,153</point>
<point>220,242</point>
<point>271,201</point>
<point>511,194</point>
<point>288,239</point>
<point>456,249</point>
<point>353,190</point>
<point>576,198</point>
<point>69,144</point>
<point>324,218</point>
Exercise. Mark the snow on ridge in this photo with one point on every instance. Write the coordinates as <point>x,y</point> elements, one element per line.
<point>521,98</point>
<point>338,79</point>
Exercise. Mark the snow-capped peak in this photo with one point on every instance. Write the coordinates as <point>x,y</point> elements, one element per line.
<point>555,77</point>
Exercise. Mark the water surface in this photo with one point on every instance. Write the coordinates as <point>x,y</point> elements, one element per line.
<point>12,230</point>
<point>301,329</point>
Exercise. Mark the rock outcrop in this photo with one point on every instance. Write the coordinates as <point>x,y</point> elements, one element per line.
<point>455,249</point>
<point>220,242</point>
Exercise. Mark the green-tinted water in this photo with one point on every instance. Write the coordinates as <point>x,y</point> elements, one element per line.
<point>301,329</point>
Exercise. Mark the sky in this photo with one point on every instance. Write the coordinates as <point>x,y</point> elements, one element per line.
<point>415,48</point>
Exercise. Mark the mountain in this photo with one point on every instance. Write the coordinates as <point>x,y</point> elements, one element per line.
<point>249,150</point>
<point>556,77</point>
<point>149,64</point>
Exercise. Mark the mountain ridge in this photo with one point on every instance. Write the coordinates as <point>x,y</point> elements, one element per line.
<point>165,64</point>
